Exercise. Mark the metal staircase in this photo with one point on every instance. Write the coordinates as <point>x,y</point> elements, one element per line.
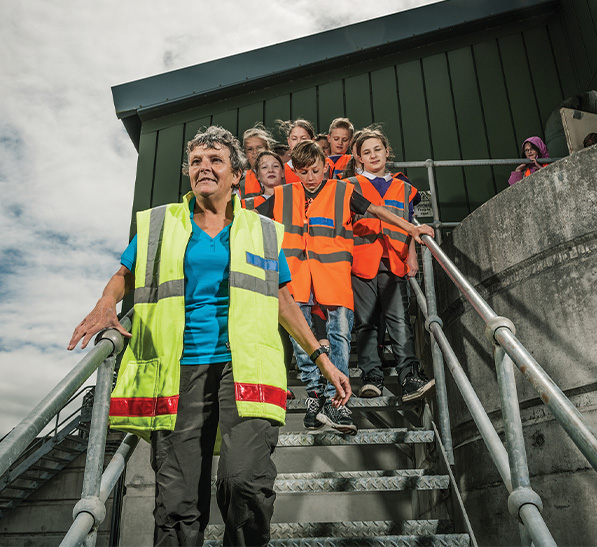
<point>48,455</point>
<point>335,489</point>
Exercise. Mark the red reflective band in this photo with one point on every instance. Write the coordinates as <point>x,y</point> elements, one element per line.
<point>143,406</point>
<point>260,393</point>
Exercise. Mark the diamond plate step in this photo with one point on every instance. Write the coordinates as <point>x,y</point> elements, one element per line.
<point>364,436</point>
<point>445,540</point>
<point>293,375</point>
<point>300,405</point>
<point>359,481</point>
<point>289,530</point>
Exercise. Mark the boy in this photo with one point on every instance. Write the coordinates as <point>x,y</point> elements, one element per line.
<point>317,215</point>
<point>339,136</point>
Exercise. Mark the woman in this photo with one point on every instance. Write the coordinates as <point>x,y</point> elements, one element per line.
<point>256,139</point>
<point>384,255</point>
<point>207,305</point>
<point>532,149</point>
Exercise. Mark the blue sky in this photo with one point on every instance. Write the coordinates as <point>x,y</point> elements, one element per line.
<point>67,166</point>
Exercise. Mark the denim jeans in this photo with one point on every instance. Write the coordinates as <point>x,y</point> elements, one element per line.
<point>339,327</point>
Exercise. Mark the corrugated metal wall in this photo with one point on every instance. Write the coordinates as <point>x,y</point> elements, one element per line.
<point>475,97</point>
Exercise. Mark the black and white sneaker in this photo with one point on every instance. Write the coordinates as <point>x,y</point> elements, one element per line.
<point>314,405</point>
<point>372,387</point>
<point>415,386</point>
<point>338,418</point>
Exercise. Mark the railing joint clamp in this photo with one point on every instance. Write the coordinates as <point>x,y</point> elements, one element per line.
<point>429,162</point>
<point>523,496</point>
<point>433,319</point>
<point>113,336</point>
<point>496,323</point>
<point>92,505</point>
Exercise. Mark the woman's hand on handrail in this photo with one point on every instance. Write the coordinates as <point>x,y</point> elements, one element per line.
<point>103,316</point>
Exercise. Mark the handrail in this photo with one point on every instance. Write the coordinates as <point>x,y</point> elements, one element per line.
<point>17,441</point>
<point>500,330</point>
<point>523,502</point>
<point>84,520</point>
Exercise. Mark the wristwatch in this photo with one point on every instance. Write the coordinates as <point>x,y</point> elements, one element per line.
<point>318,352</point>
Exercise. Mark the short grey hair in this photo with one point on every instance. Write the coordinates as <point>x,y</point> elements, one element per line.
<point>216,135</point>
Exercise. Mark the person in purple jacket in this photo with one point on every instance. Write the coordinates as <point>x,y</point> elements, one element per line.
<point>532,149</point>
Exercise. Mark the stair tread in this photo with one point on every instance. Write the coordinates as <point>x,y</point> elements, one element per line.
<point>363,436</point>
<point>391,401</point>
<point>445,540</point>
<point>348,529</point>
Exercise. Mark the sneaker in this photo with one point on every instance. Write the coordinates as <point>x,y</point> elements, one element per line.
<point>338,418</point>
<point>314,404</point>
<point>289,395</point>
<point>372,387</point>
<point>415,386</point>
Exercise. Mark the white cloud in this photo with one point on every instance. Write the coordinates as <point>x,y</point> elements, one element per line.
<point>67,166</point>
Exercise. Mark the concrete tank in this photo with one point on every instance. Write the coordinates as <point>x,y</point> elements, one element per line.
<point>531,251</point>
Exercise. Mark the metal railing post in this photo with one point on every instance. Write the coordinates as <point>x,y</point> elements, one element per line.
<point>434,207</point>
<point>439,374</point>
<point>522,494</point>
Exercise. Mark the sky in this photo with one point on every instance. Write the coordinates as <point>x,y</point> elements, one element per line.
<point>67,166</point>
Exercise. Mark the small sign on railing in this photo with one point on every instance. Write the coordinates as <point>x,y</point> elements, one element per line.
<point>423,208</point>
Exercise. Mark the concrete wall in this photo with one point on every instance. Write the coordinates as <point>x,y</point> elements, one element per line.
<point>531,251</point>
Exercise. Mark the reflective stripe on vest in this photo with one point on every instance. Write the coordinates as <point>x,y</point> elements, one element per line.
<point>249,185</point>
<point>372,235</point>
<point>317,244</point>
<point>146,394</point>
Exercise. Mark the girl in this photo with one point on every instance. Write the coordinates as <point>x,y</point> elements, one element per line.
<point>296,131</point>
<point>255,140</point>
<point>380,268</point>
<point>532,148</point>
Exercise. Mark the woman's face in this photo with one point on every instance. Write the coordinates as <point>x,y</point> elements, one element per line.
<point>374,156</point>
<point>254,145</point>
<point>529,151</point>
<point>297,135</point>
<point>269,172</point>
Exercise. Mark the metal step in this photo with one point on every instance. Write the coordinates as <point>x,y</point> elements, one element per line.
<point>303,530</point>
<point>376,403</point>
<point>360,481</point>
<point>445,540</point>
<point>364,436</point>
<point>55,459</point>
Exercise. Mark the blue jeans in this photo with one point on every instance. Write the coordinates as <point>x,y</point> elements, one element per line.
<point>339,327</point>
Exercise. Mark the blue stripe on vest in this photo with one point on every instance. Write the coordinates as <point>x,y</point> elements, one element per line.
<point>263,263</point>
<point>321,221</point>
<point>394,203</point>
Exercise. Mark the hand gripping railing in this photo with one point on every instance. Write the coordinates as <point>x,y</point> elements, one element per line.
<point>109,344</point>
<point>523,502</point>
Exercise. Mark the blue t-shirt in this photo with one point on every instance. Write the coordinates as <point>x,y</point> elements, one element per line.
<point>206,267</point>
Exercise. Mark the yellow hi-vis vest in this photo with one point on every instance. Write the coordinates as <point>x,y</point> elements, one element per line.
<point>145,397</point>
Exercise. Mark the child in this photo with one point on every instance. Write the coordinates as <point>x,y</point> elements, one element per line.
<point>384,255</point>
<point>340,133</point>
<point>532,149</point>
<point>296,131</point>
<point>317,215</point>
<point>255,140</point>
<point>269,170</point>
<point>322,140</point>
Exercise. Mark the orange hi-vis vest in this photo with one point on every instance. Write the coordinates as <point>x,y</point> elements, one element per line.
<point>372,236</point>
<point>290,177</point>
<point>339,165</point>
<point>249,185</point>
<point>252,203</point>
<point>528,170</point>
<point>318,243</point>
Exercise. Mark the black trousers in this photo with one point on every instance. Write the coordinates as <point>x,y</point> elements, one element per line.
<point>384,297</point>
<point>182,461</point>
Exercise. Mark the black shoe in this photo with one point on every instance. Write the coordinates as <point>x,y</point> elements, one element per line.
<point>314,405</point>
<point>338,418</point>
<point>415,386</point>
<point>372,387</point>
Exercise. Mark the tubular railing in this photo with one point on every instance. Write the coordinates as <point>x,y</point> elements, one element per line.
<point>90,511</point>
<point>523,502</point>
<point>430,165</point>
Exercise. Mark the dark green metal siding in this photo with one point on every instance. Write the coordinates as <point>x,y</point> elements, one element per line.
<point>477,96</point>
